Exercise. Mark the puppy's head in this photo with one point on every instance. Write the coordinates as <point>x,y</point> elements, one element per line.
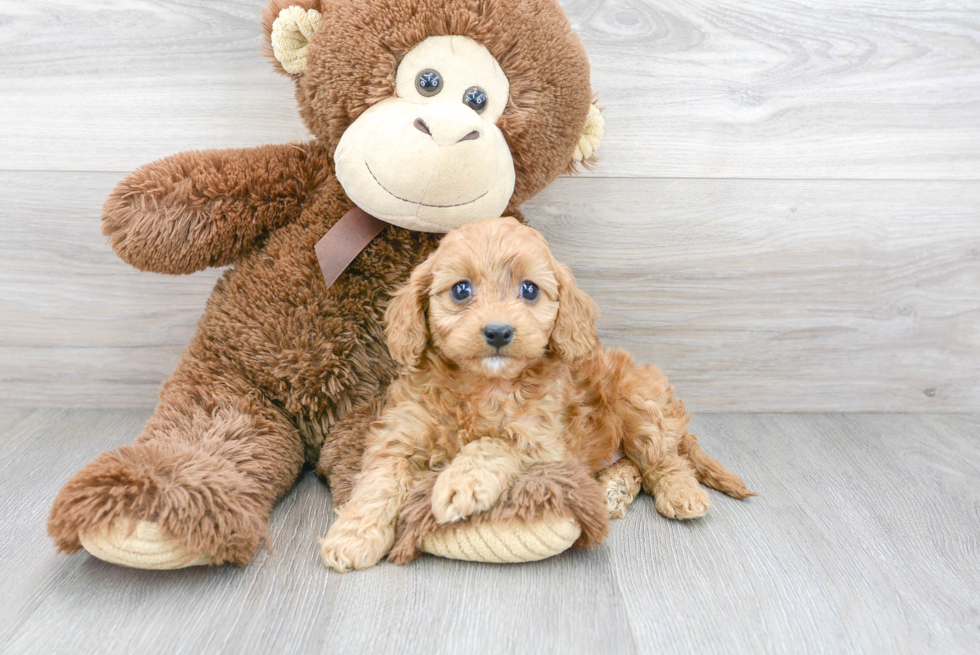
<point>493,300</point>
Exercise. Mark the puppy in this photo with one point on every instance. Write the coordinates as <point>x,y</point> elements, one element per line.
<point>501,366</point>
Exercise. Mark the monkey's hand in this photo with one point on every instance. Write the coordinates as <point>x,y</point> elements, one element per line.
<point>205,208</point>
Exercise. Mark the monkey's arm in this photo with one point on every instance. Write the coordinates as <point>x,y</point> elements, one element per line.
<point>204,208</point>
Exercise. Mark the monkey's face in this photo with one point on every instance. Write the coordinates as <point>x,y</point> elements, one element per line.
<point>431,157</point>
<point>441,112</point>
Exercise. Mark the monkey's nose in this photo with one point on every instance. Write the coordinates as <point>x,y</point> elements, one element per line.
<point>498,335</point>
<point>447,128</point>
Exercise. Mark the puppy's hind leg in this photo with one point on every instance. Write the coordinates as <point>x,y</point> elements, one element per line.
<point>669,456</point>
<point>675,490</point>
<point>655,429</point>
<point>674,482</point>
<point>675,419</point>
<point>667,476</point>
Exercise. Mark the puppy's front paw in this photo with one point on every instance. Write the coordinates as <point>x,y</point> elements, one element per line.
<point>343,552</point>
<point>682,501</point>
<point>458,494</point>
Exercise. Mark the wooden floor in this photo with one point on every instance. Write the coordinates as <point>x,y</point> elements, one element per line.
<point>865,538</point>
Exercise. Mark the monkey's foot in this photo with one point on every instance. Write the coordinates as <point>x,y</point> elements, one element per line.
<point>144,547</point>
<point>515,541</point>
<point>160,506</point>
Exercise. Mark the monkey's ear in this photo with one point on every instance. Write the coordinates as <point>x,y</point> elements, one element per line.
<point>289,26</point>
<point>591,137</point>
<point>406,329</point>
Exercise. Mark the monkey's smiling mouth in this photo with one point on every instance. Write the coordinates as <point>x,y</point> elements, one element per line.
<point>416,202</point>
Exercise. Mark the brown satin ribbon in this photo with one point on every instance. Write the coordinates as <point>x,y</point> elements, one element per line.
<point>345,241</point>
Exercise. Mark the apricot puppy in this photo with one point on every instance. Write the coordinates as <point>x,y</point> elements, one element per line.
<point>501,366</point>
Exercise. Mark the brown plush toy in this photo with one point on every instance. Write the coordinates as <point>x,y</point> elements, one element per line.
<point>426,114</point>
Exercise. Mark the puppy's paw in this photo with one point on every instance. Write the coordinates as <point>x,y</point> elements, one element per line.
<point>343,552</point>
<point>682,501</point>
<point>458,494</point>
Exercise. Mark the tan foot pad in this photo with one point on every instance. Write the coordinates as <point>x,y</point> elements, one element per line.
<point>622,482</point>
<point>145,548</point>
<point>515,542</point>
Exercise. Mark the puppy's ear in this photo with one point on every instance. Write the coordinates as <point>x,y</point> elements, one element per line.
<point>406,327</point>
<point>574,336</point>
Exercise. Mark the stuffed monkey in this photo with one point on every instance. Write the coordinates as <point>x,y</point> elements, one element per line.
<point>426,114</point>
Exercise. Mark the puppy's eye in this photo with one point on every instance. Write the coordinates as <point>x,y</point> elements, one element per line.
<point>428,82</point>
<point>461,291</point>
<point>475,98</point>
<point>529,290</point>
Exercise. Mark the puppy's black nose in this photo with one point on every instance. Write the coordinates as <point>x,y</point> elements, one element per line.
<point>498,335</point>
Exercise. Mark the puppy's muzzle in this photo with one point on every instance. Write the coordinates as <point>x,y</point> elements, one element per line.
<point>498,335</point>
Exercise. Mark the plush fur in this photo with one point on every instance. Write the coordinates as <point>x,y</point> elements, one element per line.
<point>482,414</point>
<point>545,489</point>
<point>359,44</point>
<point>278,359</point>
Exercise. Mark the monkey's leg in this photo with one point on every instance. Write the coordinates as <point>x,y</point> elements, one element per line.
<point>196,487</point>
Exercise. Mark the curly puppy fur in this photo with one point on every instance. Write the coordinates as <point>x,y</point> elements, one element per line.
<point>279,359</point>
<point>481,411</point>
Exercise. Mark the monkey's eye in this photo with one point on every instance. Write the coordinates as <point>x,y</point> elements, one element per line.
<point>529,290</point>
<point>428,82</point>
<point>461,291</point>
<point>475,98</point>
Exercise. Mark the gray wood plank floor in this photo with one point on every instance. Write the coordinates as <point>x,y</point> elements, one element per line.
<point>865,538</point>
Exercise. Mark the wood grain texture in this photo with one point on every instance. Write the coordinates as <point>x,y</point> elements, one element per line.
<point>857,89</point>
<point>784,295</point>
<point>854,544</point>
<point>828,89</point>
<point>753,295</point>
<point>865,538</point>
